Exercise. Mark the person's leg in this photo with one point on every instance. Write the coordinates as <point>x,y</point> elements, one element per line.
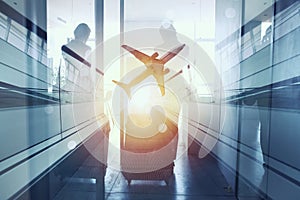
<point>264,118</point>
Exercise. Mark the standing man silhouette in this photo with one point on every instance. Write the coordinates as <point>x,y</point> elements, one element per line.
<point>78,45</point>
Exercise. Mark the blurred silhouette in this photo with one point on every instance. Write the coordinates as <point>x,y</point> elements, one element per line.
<point>75,52</point>
<point>264,104</point>
<point>78,45</point>
<point>170,40</point>
<point>264,117</point>
<point>267,37</point>
<point>169,35</point>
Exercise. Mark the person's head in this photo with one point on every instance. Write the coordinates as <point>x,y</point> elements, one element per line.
<point>82,32</point>
<point>167,32</point>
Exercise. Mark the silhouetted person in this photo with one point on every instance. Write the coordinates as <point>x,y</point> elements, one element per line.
<point>267,37</point>
<point>264,103</point>
<point>264,116</point>
<point>78,45</point>
<point>170,40</point>
<point>169,35</point>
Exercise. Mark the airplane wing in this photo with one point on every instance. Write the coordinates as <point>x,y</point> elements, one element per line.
<point>171,54</point>
<point>139,55</point>
<point>160,82</point>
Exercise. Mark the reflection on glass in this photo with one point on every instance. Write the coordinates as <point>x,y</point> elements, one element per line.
<point>17,36</point>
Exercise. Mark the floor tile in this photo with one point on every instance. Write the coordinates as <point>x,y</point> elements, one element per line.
<point>193,178</point>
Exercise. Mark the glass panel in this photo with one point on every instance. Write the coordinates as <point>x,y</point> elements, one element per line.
<point>3,25</point>
<point>33,51</point>
<point>34,39</point>
<point>255,100</point>
<point>72,76</point>
<point>257,37</point>
<point>229,50</point>
<point>2,16</point>
<point>34,46</point>
<point>284,125</point>
<point>17,36</point>
<point>24,98</point>
<point>44,58</point>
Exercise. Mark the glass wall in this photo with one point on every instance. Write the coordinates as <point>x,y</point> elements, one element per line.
<point>77,81</point>
<point>24,84</point>
<point>48,105</point>
<point>255,97</point>
<point>258,63</point>
<point>33,81</point>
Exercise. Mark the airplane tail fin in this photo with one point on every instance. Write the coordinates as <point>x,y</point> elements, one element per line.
<point>124,86</point>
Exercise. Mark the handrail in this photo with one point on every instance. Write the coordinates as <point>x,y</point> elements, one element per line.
<point>262,89</point>
<point>73,54</point>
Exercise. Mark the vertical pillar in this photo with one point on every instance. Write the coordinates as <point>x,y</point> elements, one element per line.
<point>122,67</point>
<point>99,19</point>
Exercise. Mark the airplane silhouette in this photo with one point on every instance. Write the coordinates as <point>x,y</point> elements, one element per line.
<point>153,65</point>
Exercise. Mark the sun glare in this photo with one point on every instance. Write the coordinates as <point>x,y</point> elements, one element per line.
<point>141,103</point>
<point>145,99</point>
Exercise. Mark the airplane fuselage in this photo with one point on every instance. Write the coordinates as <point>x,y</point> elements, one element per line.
<point>156,66</point>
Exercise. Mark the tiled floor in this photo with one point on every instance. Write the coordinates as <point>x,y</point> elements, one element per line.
<point>193,179</point>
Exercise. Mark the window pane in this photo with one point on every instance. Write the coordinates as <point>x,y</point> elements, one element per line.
<point>17,36</point>
<point>3,25</point>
